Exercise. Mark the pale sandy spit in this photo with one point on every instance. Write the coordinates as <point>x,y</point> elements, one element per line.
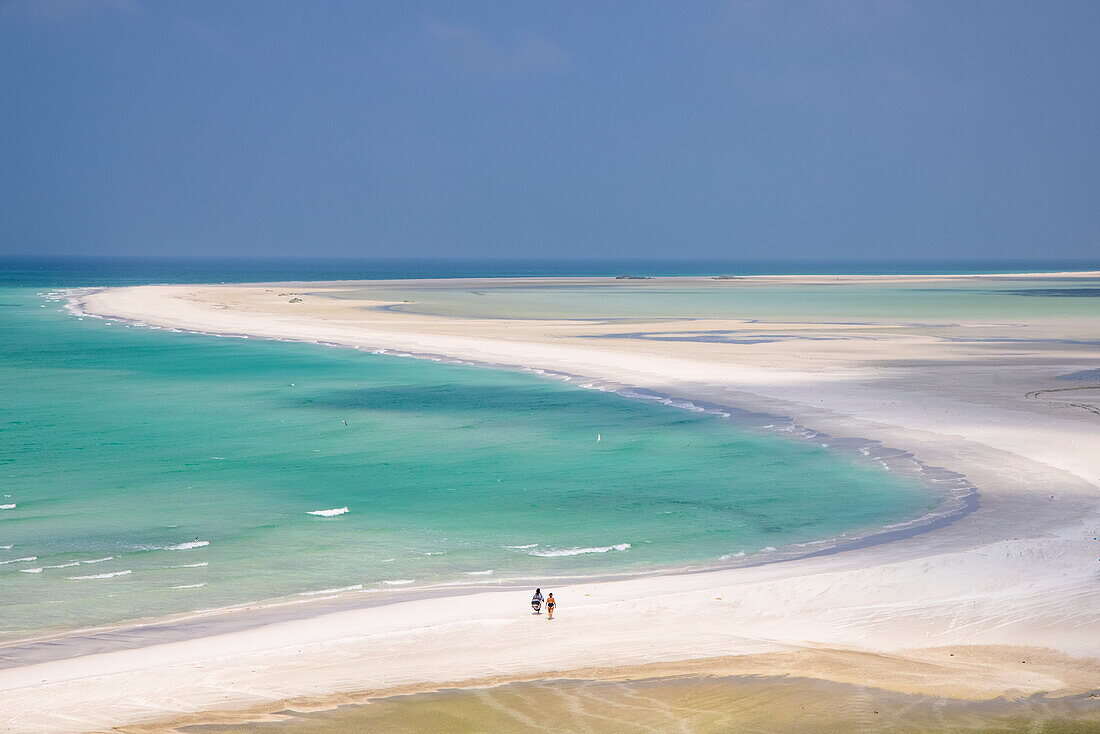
<point>947,611</point>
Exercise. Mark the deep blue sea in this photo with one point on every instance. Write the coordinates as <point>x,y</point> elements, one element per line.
<point>77,272</point>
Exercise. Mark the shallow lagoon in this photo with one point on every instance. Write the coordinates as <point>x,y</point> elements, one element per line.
<point>153,473</point>
<point>845,302</point>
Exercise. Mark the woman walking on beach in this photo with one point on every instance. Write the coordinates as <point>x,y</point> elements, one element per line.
<point>550,604</point>
<point>536,601</point>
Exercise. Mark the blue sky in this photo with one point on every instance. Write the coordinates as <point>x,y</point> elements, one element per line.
<point>741,129</point>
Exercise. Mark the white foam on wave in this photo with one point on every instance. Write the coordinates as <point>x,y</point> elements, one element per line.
<point>10,506</point>
<point>329,513</point>
<point>580,551</point>
<point>488,572</point>
<point>399,582</point>
<point>729,556</point>
<point>20,560</point>
<point>186,546</point>
<point>99,560</point>
<point>99,575</point>
<point>356,587</point>
<point>663,400</point>
<point>522,547</point>
<point>191,565</point>
<point>188,586</point>
<point>59,565</point>
<point>6,547</point>
<point>683,405</point>
<point>909,523</point>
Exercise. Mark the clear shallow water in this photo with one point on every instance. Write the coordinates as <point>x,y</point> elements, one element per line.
<point>935,303</point>
<point>155,472</point>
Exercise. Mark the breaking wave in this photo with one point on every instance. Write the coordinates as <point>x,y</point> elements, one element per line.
<point>99,575</point>
<point>356,587</point>
<point>20,560</point>
<point>186,546</point>
<point>329,513</point>
<point>580,551</point>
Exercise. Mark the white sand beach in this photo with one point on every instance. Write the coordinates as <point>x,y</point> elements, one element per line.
<point>1004,600</point>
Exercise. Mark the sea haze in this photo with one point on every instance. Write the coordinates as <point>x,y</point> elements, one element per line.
<point>104,271</point>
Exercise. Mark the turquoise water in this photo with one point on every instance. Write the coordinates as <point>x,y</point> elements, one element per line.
<point>937,303</point>
<point>154,472</point>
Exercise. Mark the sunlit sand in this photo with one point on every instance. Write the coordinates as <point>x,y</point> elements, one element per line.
<point>1003,601</point>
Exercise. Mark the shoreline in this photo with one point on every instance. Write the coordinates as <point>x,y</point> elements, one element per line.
<point>953,503</point>
<point>1008,474</point>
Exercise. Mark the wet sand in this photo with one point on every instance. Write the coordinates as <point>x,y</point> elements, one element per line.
<point>696,705</point>
<point>821,691</point>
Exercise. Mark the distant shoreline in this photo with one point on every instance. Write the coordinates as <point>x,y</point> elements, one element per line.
<point>70,272</point>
